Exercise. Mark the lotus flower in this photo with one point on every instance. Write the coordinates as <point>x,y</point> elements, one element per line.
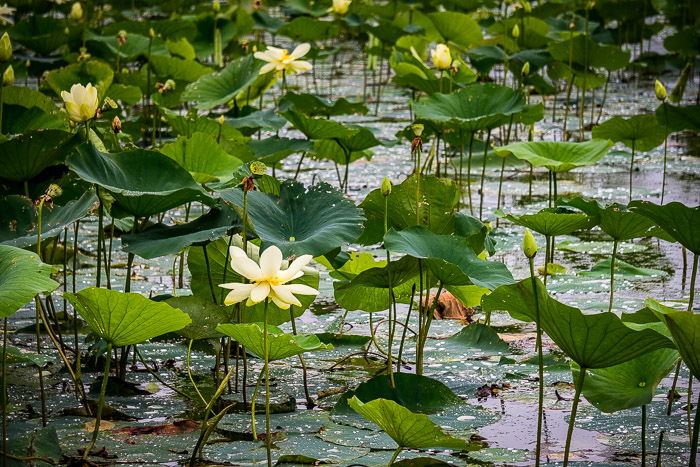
<point>6,13</point>
<point>267,279</point>
<point>441,57</point>
<point>81,102</point>
<point>340,7</point>
<point>282,60</point>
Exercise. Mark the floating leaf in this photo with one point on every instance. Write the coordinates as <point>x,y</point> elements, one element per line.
<point>125,318</point>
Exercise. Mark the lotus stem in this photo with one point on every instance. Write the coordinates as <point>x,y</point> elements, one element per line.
<point>631,169</point>
<point>644,435</point>
<point>693,277</point>
<point>101,402</point>
<point>211,283</point>
<point>395,455</point>
<point>696,433</point>
<point>38,315</point>
<point>469,173</point>
<point>663,178</point>
<point>572,417</point>
<point>689,405</point>
<point>392,298</point>
<point>483,174</point>
<point>405,328</point>
<point>253,403</point>
<point>4,390</point>
<point>547,259</point>
<point>309,400</point>
<point>658,449</point>
<point>672,391</point>
<point>266,370</point>
<point>189,372</point>
<point>540,363</point>
<point>612,274</point>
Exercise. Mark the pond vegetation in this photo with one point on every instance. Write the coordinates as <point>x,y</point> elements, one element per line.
<point>305,232</point>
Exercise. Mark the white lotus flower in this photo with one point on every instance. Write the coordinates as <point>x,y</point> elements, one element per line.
<point>81,102</point>
<point>282,60</point>
<point>267,279</point>
<point>6,13</point>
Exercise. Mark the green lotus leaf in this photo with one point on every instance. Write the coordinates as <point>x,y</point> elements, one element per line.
<point>22,276</point>
<point>640,133</point>
<point>178,68</point>
<point>623,270</point>
<point>219,261</point>
<point>629,384</point>
<point>261,119</point>
<point>307,29</point>
<point>41,33</point>
<point>202,157</point>
<point>25,156</point>
<point>18,119</point>
<point>450,258</point>
<point>279,344</point>
<point>551,221</point>
<point>478,107</point>
<point>622,224</point>
<point>229,138</point>
<point>685,329</point>
<point>161,240</point>
<point>126,318</point>
<point>434,209</point>
<point>584,51</point>
<point>456,27</point>
<point>219,88</point>
<point>475,340</point>
<point>274,149</point>
<point>557,156</point>
<point>408,429</point>
<point>142,182</point>
<point>98,73</point>
<point>364,284</point>
<point>13,355</point>
<point>679,117</point>
<point>678,220</point>
<point>301,220</point>
<point>315,106</point>
<point>318,128</point>
<point>205,316</point>
<point>126,94</point>
<point>18,219</point>
<point>27,98</point>
<point>591,340</point>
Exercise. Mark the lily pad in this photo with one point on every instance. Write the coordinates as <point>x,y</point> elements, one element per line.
<point>125,318</point>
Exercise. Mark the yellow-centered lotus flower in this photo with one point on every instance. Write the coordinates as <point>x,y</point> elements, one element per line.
<point>81,102</point>
<point>76,11</point>
<point>267,279</point>
<point>441,57</point>
<point>281,60</point>
<point>340,7</point>
<point>6,13</point>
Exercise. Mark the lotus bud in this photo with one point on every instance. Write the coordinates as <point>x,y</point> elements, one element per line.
<point>5,48</point>
<point>27,63</point>
<point>340,7</point>
<point>441,57</point>
<point>66,31</point>
<point>76,11</point>
<point>216,6</point>
<point>116,125</point>
<point>151,33</point>
<point>515,32</point>
<point>221,120</point>
<point>386,187</point>
<point>525,69</point>
<point>417,129</point>
<point>529,244</point>
<point>258,169</point>
<point>121,37</point>
<point>660,90</point>
<point>54,191</point>
<point>527,7</point>
<point>8,77</point>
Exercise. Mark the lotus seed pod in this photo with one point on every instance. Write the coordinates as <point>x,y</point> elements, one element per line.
<point>151,33</point>
<point>221,120</point>
<point>516,31</point>
<point>660,90</point>
<point>216,6</point>
<point>5,48</point>
<point>109,102</point>
<point>116,125</point>
<point>529,244</point>
<point>54,191</point>
<point>258,168</point>
<point>8,77</point>
<point>386,186</point>
<point>417,129</point>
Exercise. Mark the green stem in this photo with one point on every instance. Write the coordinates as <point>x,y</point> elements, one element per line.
<point>663,178</point>
<point>101,402</point>
<point>631,170</point>
<point>483,174</point>
<point>266,369</point>
<point>693,277</point>
<point>405,328</point>
<point>612,274</point>
<point>572,417</point>
<point>1,105</point>
<point>189,372</point>
<point>396,454</point>
<point>469,173</point>
<point>100,234</point>
<point>4,391</point>
<point>644,435</point>
<point>540,363</point>
<point>696,433</point>
<point>38,314</point>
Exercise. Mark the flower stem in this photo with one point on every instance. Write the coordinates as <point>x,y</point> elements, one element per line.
<point>266,357</point>
<point>100,403</point>
<point>540,363</point>
<point>572,417</point>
